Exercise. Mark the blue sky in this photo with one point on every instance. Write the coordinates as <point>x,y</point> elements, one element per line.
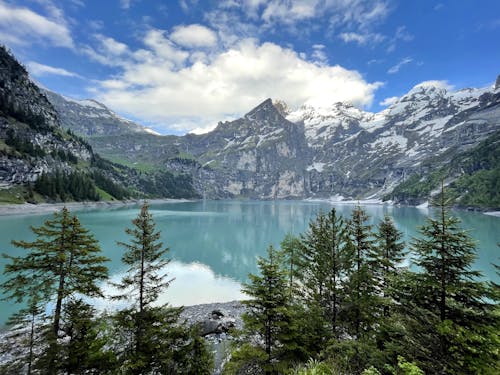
<point>184,65</point>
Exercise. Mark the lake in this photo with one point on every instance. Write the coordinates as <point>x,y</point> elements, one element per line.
<point>214,244</point>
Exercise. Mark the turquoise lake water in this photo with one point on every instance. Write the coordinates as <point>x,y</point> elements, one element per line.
<point>214,244</point>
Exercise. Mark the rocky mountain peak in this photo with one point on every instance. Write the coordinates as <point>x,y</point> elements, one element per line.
<point>282,107</point>
<point>264,111</point>
<point>497,83</point>
<point>90,118</point>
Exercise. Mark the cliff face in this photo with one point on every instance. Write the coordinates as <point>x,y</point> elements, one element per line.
<point>31,139</point>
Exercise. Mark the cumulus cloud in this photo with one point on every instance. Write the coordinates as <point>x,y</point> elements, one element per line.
<point>22,26</point>
<point>389,101</point>
<point>163,85</point>
<point>394,69</point>
<point>40,70</point>
<point>194,36</point>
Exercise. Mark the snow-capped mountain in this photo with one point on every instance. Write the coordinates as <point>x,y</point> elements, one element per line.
<point>371,152</point>
<point>275,152</point>
<point>90,118</point>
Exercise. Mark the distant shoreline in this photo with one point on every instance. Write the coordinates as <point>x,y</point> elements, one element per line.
<point>45,208</point>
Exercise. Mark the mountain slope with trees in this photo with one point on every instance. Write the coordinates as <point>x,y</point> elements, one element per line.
<point>39,160</point>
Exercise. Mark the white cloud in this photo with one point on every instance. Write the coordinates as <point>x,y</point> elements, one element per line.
<point>435,83</point>
<point>362,39</point>
<point>42,70</point>
<point>389,101</point>
<point>319,54</point>
<point>194,36</point>
<point>23,26</point>
<point>394,69</point>
<point>163,84</point>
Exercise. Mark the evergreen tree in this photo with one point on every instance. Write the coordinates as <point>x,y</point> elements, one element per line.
<point>83,346</point>
<point>326,248</point>
<point>65,261</point>
<point>26,337</point>
<point>151,339</point>
<point>361,293</point>
<point>268,313</point>
<point>388,253</point>
<point>290,253</point>
<point>458,305</point>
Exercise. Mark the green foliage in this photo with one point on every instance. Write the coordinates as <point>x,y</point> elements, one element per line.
<point>75,186</point>
<point>23,146</point>
<point>84,347</point>
<point>268,314</point>
<point>361,295</point>
<point>63,261</point>
<point>151,340</point>
<point>326,252</point>
<point>145,258</point>
<point>450,291</point>
<point>166,184</point>
<point>408,368</point>
<point>313,367</point>
<point>117,191</point>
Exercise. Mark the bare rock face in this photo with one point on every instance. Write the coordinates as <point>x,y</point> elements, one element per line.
<point>90,118</point>
<point>497,83</point>
<point>30,129</point>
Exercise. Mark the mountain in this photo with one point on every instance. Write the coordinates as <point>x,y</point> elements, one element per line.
<point>40,160</point>
<point>361,154</point>
<point>89,118</point>
<point>274,152</point>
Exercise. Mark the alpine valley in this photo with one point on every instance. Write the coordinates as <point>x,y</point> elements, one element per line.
<point>338,152</point>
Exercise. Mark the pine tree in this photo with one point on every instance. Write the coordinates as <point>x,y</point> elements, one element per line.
<point>268,313</point>
<point>388,254</point>
<point>65,260</point>
<point>145,256</point>
<point>152,340</point>
<point>326,248</point>
<point>361,293</point>
<point>25,339</point>
<point>84,346</point>
<point>451,294</point>
<point>290,253</point>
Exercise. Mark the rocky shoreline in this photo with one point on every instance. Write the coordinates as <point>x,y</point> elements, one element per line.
<point>45,208</point>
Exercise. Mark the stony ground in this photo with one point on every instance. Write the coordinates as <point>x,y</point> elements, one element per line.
<point>214,320</point>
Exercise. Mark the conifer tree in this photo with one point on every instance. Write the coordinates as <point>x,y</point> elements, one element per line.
<point>25,339</point>
<point>290,252</point>
<point>388,255</point>
<point>268,313</point>
<point>153,340</point>
<point>450,293</point>
<point>83,346</point>
<point>362,301</point>
<point>326,248</point>
<point>64,260</point>
<point>145,257</point>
